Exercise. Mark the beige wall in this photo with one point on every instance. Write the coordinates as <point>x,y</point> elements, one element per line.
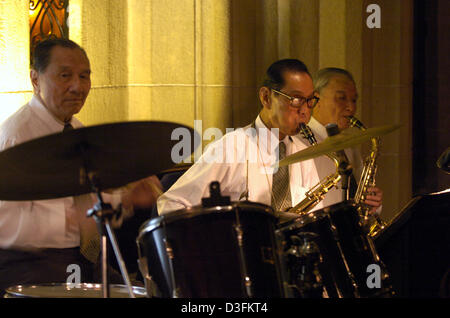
<point>15,86</point>
<point>180,60</point>
<point>387,85</point>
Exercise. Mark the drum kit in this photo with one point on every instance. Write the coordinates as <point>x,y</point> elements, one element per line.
<point>217,249</point>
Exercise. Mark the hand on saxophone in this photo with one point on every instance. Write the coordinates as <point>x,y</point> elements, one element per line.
<point>374,199</point>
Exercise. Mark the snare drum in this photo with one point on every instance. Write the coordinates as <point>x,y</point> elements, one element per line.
<point>346,251</point>
<point>219,251</point>
<point>85,290</point>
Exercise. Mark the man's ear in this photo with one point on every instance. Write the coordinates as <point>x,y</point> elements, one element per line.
<point>317,105</point>
<point>264,97</point>
<point>34,76</point>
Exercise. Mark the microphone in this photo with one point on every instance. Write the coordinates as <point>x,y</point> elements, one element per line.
<point>332,130</point>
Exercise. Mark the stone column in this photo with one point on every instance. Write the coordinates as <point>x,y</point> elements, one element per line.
<point>15,85</point>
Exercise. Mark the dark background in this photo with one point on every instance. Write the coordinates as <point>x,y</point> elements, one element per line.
<point>431,94</point>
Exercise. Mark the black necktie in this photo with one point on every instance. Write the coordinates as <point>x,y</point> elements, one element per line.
<point>67,126</point>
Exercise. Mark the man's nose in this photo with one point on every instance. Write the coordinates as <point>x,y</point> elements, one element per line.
<point>76,85</point>
<point>303,110</point>
<point>350,106</point>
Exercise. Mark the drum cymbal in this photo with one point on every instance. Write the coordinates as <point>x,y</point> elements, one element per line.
<point>57,165</point>
<point>345,139</point>
<point>178,167</point>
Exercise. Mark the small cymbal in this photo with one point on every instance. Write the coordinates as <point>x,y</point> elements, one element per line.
<point>345,139</point>
<point>176,168</point>
<point>58,165</point>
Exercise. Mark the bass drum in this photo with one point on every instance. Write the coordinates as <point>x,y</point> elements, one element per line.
<point>219,251</point>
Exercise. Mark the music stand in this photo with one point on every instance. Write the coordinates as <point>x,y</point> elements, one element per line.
<point>415,246</point>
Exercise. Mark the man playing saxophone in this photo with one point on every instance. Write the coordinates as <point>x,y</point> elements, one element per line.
<point>338,96</point>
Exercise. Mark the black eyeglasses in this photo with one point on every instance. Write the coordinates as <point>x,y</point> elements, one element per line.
<point>298,102</point>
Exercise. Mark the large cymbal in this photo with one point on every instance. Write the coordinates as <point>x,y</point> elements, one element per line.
<point>345,139</point>
<point>55,166</point>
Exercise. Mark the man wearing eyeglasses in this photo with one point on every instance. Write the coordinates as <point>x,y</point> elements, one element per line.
<point>287,98</point>
<point>337,94</point>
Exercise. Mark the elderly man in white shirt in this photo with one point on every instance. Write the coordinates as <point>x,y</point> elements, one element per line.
<point>287,99</point>
<point>337,94</point>
<point>39,239</point>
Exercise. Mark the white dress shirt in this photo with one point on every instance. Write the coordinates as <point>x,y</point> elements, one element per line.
<point>42,223</point>
<point>325,166</point>
<point>251,169</point>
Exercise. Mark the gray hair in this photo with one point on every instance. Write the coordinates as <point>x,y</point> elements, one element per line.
<point>323,76</point>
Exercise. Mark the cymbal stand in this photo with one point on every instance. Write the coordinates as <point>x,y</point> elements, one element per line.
<point>102,213</point>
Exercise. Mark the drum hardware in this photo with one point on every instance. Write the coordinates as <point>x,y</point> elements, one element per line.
<point>267,255</point>
<point>246,281</point>
<point>443,162</point>
<point>170,257</point>
<point>350,275</point>
<point>169,250</point>
<point>88,160</point>
<point>334,275</point>
<point>150,286</point>
<point>102,213</point>
<point>216,199</point>
<point>303,258</point>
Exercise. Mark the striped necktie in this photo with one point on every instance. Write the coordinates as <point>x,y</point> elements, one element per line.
<point>281,192</point>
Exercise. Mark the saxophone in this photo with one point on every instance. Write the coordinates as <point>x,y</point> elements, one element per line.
<point>372,223</point>
<point>316,193</point>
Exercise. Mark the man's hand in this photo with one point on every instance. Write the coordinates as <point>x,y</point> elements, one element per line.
<point>141,194</point>
<point>374,198</point>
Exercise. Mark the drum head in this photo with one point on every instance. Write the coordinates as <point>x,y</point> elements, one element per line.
<point>54,290</point>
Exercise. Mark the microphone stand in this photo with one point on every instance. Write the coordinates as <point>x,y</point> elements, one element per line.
<point>345,168</point>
